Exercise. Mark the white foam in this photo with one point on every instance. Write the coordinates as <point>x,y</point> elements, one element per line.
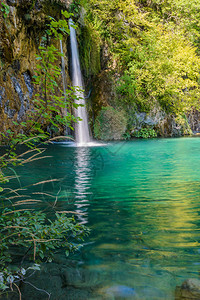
<point>73,144</point>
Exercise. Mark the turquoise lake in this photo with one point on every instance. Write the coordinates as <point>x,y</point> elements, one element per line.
<point>141,200</point>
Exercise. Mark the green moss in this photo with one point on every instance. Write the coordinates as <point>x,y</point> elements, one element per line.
<point>90,50</point>
<point>182,121</point>
<point>110,124</point>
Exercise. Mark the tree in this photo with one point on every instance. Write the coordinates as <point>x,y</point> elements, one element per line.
<point>33,232</point>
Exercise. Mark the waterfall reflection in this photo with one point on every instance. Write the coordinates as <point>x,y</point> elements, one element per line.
<point>82,182</point>
<point>81,128</point>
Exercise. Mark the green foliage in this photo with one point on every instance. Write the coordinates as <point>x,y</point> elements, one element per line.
<point>51,101</point>
<point>59,29</point>
<point>145,133</point>
<point>8,277</point>
<point>5,10</point>
<point>110,124</point>
<point>153,47</point>
<point>164,68</point>
<point>75,6</point>
<point>31,231</point>
<point>90,46</point>
<point>181,120</point>
<point>127,135</point>
<point>35,235</point>
<point>181,13</point>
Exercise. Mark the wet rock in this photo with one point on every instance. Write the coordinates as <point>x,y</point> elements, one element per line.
<point>42,284</point>
<point>119,292</point>
<point>9,111</point>
<point>81,19</point>
<point>4,77</point>
<point>76,294</point>
<point>152,292</point>
<point>16,65</point>
<point>18,90</point>
<point>20,36</point>
<point>12,2</point>
<point>194,120</point>
<point>189,290</point>
<point>28,83</point>
<point>79,278</point>
<point>2,92</point>
<point>164,124</point>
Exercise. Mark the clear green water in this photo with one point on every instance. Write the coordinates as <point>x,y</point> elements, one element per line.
<point>142,201</point>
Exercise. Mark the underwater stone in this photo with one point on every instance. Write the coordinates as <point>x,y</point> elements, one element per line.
<point>189,290</point>
<point>79,278</point>
<point>121,291</point>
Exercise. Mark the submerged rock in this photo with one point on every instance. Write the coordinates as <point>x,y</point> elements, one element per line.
<point>119,292</point>
<point>79,278</point>
<point>189,290</point>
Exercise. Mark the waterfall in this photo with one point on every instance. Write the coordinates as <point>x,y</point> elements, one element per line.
<point>63,70</point>
<point>81,128</point>
<point>64,80</point>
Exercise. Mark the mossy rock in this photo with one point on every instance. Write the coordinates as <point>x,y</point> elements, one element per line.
<point>110,124</point>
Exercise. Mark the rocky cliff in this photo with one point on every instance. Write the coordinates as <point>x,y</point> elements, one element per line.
<point>22,26</point>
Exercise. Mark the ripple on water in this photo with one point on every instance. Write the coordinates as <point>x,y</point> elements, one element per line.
<point>141,200</point>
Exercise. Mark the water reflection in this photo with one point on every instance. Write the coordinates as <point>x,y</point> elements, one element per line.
<point>141,200</point>
<point>82,183</point>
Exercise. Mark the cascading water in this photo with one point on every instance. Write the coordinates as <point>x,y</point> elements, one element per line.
<point>82,135</point>
<point>64,80</point>
<point>63,70</point>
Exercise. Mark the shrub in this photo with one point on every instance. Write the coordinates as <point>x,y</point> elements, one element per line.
<point>145,133</point>
<point>36,237</point>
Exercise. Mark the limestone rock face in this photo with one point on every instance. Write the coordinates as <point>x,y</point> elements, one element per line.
<point>20,35</point>
<point>164,124</point>
<point>194,120</point>
<point>189,290</point>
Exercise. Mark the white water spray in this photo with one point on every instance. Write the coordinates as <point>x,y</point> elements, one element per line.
<point>81,128</point>
<point>64,80</point>
<point>63,71</point>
